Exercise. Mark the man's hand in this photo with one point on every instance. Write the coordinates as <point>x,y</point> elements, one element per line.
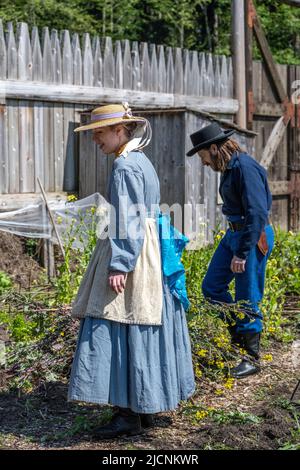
<point>237,265</point>
<point>117,280</point>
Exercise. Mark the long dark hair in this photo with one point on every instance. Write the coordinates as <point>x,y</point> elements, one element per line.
<point>225,151</point>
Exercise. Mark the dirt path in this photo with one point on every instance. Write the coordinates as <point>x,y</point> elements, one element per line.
<point>252,415</point>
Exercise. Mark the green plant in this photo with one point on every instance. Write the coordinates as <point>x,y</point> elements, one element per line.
<point>5,282</point>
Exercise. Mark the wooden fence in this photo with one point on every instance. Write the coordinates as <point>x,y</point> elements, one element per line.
<point>47,80</point>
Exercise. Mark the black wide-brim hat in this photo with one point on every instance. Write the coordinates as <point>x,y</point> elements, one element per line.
<point>207,136</point>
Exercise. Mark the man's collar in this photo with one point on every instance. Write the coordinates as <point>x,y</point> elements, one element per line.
<point>232,161</point>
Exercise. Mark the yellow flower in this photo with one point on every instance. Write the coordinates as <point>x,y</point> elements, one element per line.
<point>59,220</point>
<point>71,198</point>
<point>218,391</point>
<point>220,364</point>
<point>202,352</point>
<point>271,329</point>
<point>229,383</point>
<point>268,357</point>
<point>62,334</point>
<point>201,414</point>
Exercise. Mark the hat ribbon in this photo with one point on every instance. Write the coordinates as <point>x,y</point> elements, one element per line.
<point>101,117</point>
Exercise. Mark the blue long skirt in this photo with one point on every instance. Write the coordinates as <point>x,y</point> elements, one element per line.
<point>145,368</point>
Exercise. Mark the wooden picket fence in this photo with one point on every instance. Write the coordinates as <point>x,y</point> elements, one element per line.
<point>98,62</point>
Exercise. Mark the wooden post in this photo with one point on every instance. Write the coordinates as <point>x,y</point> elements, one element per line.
<point>239,65</point>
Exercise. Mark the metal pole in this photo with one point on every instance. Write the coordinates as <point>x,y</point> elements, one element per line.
<point>239,62</point>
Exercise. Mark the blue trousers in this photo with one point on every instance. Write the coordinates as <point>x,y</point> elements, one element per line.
<point>249,285</point>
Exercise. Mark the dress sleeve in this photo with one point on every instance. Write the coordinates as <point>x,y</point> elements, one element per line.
<point>127,226</point>
<point>255,203</point>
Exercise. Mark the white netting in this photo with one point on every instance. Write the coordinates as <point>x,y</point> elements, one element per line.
<point>73,219</point>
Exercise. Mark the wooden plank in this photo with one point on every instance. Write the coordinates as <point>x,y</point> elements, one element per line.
<point>224,86</point>
<point>12,54</point>
<point>108,64</point>
<point>119,65</point>
<point>48,74</point>
<point>56,57</point>
<point>273,142</point>
<point>269,109</point>
<point>38,142</point>
<point>93,95</point>
<point>162,71</point>
<point>58,143</point>
<point>249,64</point>
<point>67,58</point>
<point>279,188</point>
<point>210,76</point>
<point>268,58</point>
<point>77,60</point>
<point>153,68</point>
<point>27,177</point>
<point>13,145</point>
<point>217,80</point>
<point>88,63</point>
<point>127,65</point>
<point>37,59</point>
<point>3,54</point>
<point>170,71</point>
<point>202,66</point>
<point>136,66</point>
<point>145,67</point>
<point>24,53</point>
<point>70,162</point>
<point>186,72</point>
<point>4,156</point>
<point>178,72</point>
<point>98,63</point>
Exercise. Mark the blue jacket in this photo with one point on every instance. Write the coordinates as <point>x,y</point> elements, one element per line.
<point>245,193</point>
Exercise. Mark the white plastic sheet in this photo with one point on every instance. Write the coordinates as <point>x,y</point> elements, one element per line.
<point>73,219</point>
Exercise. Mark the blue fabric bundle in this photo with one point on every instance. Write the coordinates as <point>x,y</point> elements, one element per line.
<point>172,244</point>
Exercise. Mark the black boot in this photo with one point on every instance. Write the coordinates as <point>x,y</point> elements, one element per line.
<point>147,420</point>
<point>248,366</point>
<point>236,338</point>
<point>123,423</point>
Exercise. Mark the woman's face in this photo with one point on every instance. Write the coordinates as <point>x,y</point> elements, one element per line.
<point>110,139</point>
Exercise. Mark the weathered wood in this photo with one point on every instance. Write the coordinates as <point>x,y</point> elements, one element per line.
<point>145,67</point>
<point>24,53</point>
<point>119,65</point>
<point>153,68</point>
<point>37,59</point>
<point>279,188</point>
<point>127,66</point>
<point>162,72</point>
<point>186,72</point>
<point>210,76</point>
<point>224,85</point>
<point>77,60</point>
<point>136,66</point>
<point>88,65</point>
<point>47,57</point>
<point>98,64</point>
<point>273,142</point>
<point>12,54</point>
<point>170,71</point>
<point>56,57</point>
<point>108,64</point>
<point>4,156</point>
<point>3,54</point>
<point>217,73</point>
<point>268,109</point>
<point>67,58</point>
<point>178,72</point>
<point>38,144</point>
<point>268,58</point>
<point>90,95</point>
<point>26,147</point>
<point>239,62</point>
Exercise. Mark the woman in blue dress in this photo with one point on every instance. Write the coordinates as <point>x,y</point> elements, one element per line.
<point>133,349</point>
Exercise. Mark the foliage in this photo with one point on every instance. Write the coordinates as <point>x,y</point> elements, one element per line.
<point>203,25</point>
<point>5,282</point>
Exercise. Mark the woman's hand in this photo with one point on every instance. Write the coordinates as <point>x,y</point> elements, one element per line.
<point>237,265</point>
<point>117,280</point>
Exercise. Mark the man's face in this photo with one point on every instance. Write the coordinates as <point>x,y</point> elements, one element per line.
<point>208,156</point>
<point>107,138</point>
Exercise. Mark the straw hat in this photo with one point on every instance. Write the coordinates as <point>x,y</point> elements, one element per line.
<point>109,115</point>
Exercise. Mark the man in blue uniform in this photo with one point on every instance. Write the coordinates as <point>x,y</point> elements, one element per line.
<point>243,251</point>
